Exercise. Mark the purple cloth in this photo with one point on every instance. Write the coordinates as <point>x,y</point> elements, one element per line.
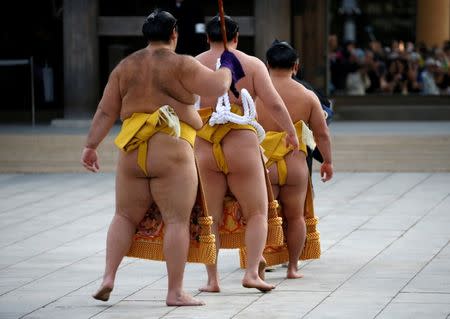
<point>230,61</point>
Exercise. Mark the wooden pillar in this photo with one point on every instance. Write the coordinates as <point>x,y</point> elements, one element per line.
<point>81,71</point>
<point>310,39</point>
<point>272,20</point>
<point>433,22</point>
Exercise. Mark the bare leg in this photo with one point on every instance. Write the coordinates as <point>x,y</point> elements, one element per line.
<point>273,176</point>
<point>174,189</point>
<point>246,181</point>
<point>215,187</point>
<point>292,197</point>
<point>130,209</point>
<point>176,245</point>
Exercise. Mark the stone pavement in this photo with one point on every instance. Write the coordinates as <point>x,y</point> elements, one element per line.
<point>385,240</point>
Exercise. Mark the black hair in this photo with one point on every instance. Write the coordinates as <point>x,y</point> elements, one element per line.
<point>281,55</point>
<point>159,26</point>
<point>213,29</point>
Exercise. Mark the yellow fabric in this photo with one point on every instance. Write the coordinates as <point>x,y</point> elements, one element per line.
<point>275,149</point>
<point>215,134</point>
<point>140,127</point>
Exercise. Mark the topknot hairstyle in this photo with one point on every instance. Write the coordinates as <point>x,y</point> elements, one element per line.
<point>158,26</point>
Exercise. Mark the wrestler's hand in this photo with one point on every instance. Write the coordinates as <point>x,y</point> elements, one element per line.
<point>230,61</point>
<point>292,140</point>
<point>89,159</point>
<point>326,171</point>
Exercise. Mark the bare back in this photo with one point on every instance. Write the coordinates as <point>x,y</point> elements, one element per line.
<point>299,101</point>
<point>151,78</point>
<point>255,72</point>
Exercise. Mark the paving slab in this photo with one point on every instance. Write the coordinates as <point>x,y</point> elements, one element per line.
<point>384,237</point>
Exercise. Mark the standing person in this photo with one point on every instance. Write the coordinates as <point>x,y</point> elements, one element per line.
<point>152,91</point>
<point>328,113</point>
<point>290,177</point>
<point>229,155</point>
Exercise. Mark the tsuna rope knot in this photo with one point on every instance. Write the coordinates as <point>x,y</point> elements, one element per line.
<point>224,115</point>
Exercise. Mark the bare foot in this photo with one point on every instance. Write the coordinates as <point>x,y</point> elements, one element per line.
<point>292,272</point>
<point>293,275</point>
<point>183,299</point>
<point>257,283</point>
<point>210,288</point>
<point>262,269</point>
<point>103,293</point>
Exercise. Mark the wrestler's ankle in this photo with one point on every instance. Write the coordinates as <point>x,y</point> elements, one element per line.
<point>292,266</point>
<point>108,280</point>
<point>213,278</point>
<point>251,274</point>
<point>175,293</point>
<point>214,282</point>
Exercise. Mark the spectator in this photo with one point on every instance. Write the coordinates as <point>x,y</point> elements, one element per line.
<point>399,68</point>
<point>429,84</point>
<point>395,79</point>
<point>414,83</point>
<point>447,50</point>
<point>442,78</point>
<point>357,82</point>
<point>342,64</point>
<point>374,71</point>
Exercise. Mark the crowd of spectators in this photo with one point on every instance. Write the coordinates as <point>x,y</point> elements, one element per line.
<point>401,68</point>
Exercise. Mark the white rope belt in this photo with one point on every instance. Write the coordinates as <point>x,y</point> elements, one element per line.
<point>224,115</point>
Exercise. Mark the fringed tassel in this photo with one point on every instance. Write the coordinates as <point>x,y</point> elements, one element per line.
<point>279,254</point>
<point>232,240</point>
<point>275,235</point>
<point>147,250</point>
<point>205,253</point>
<point>312,247</point>
<point>274,257</point>
<point>232,230</point>
<point>243,258</point>
<point>277,257</point>
<point>312,244</point>
<point>202,250</point>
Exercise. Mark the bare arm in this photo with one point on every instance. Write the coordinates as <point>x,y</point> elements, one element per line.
<point>271,99</point>
<point>321,135</point>
<point>107,113</point>
<point>200,80</point>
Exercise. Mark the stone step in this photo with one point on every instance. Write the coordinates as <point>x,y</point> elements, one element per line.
<point>400,152</point>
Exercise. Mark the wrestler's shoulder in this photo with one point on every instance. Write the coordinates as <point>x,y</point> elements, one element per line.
<point>310,97</point>
<point>130,61</point>
<point>247,58</point>
<point>184,58</point>
<point>298,92</point>
<point>202,56</point>
<point>300,88</point>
